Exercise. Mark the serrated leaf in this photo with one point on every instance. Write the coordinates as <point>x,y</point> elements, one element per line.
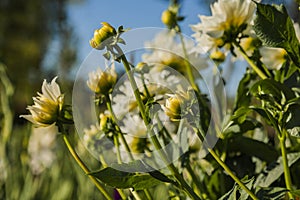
<point>123,180</point>
<point>274,28</point>
<point>275,170</point>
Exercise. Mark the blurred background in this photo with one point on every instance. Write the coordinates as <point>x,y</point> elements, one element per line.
<point>40,39</point>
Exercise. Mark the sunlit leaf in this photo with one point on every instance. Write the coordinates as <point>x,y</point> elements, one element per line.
<point>275,28</point>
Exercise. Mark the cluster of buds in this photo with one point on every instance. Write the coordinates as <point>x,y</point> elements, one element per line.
<point>102,82</point>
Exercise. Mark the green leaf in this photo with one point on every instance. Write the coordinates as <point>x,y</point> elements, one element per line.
<point>271,90</point>
<point>253,147</point>
<point>249,184</point>
<point>123,180</point>
<point>275,170</point>
<point>107,55</point>
<point>296,193</point>
<point>232,194</point>
<point>271,193</point>
<point>140,166</point>
<point>275,28</point>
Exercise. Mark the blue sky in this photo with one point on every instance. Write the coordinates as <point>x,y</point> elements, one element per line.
<point>85,17</point>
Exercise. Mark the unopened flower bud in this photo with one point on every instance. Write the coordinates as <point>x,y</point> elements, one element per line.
<point>169,18</point>
<point>142,67</point>
<point>217,56</point>
<point>99,41</point>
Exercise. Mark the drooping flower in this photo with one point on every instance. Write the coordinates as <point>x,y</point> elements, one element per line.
<point>102,82</point>
<point>47,105</point>
<point>230,21</point>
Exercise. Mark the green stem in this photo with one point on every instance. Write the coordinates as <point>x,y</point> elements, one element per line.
<point>251,63</point>
<point>287,174</point>
<point>230,173</point>
<point>188,65</point>
<point>120,134</point>
<point>153,137</point>
<point>116,143</point>
<point>85,168</point>
<point>228,170</point>
<point>195,179</point>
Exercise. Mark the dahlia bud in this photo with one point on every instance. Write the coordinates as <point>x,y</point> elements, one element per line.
<point>102,35</point>
<point>169,18</point>
<point>217,56</point>
<point>142,67</point>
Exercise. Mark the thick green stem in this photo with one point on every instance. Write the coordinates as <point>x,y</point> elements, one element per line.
<point>153,137</point>
<point>251,63</point>
<point>287,174</point>
<point>85,168</point>
<point>231,174</point>
<point>228,170</point>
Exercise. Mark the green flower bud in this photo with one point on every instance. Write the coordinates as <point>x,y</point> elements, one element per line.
<point>217,56</point>
<point>169,18</point>
<point>99,41</point>
<point>142,67</point>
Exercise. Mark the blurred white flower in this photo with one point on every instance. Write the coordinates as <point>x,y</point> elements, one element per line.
<point>273,58</point>
<point>102,82</point>
<point>165,50</point>
<point>47,105</point>
<point>41,147</point>
<point>229,21</point>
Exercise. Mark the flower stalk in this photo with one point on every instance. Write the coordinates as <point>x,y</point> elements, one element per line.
<point>84,167</point>
<point>258,71</point>
<point>153,138</point>
<point>286,169</point>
